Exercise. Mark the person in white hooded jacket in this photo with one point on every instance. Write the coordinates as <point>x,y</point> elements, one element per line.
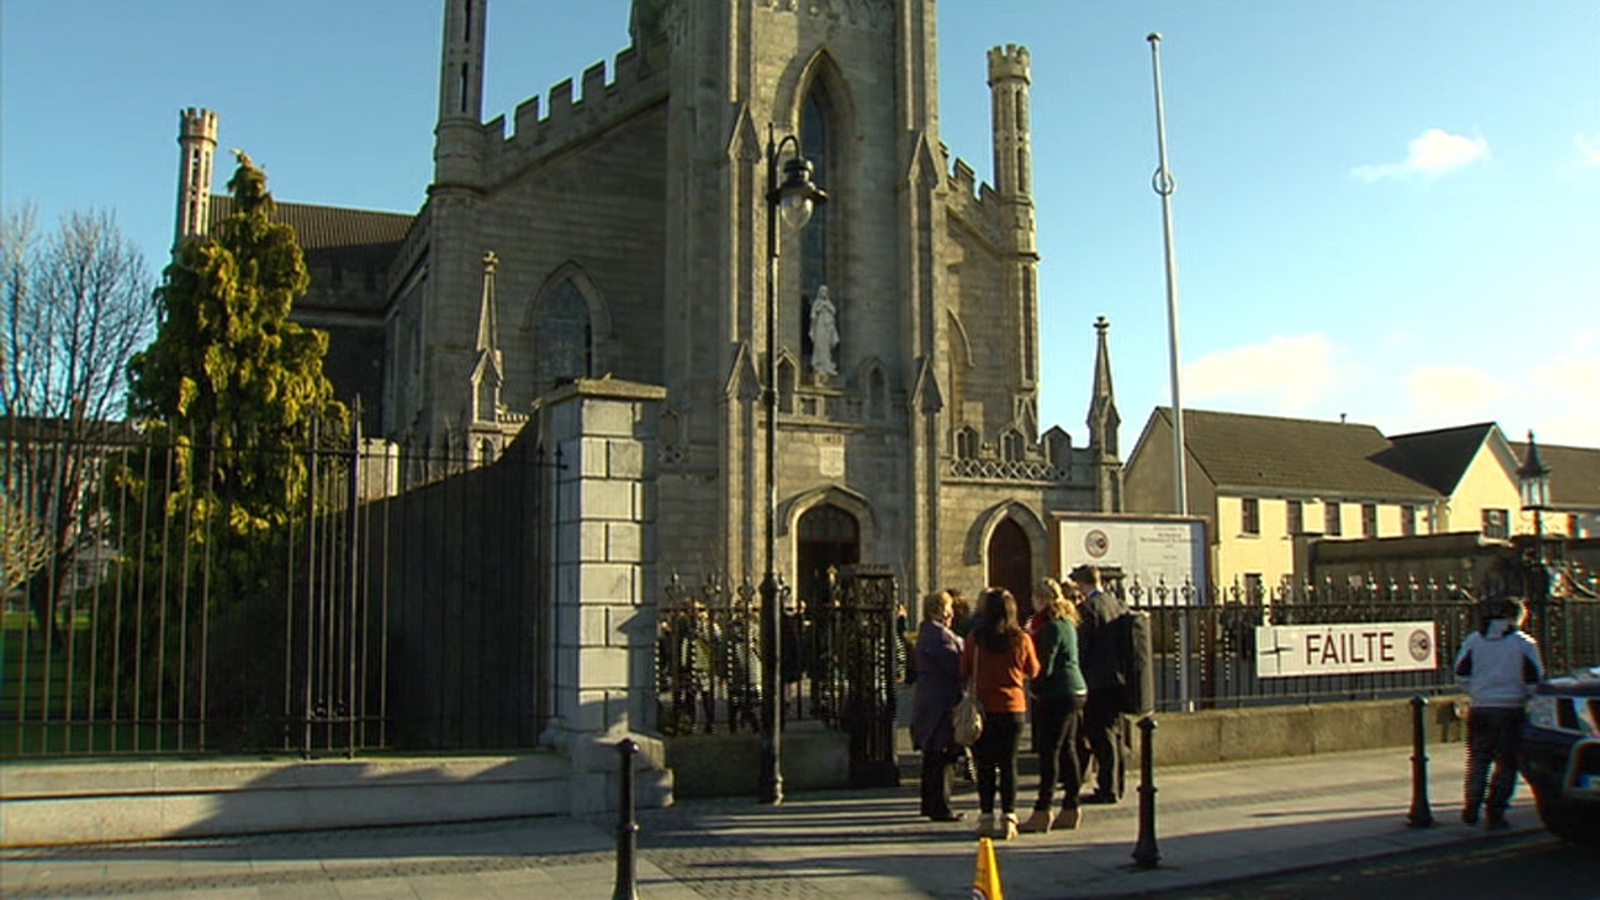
<point>1498,665</point>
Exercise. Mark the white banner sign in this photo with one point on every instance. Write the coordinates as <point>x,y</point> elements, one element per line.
<point>1284,650</point>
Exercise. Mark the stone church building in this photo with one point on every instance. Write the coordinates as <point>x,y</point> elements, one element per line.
<point>617,229</point>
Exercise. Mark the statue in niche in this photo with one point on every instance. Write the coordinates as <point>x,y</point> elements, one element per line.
<point>824,334</point>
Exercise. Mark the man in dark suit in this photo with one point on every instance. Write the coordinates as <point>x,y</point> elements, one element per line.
<point>1103,731</point>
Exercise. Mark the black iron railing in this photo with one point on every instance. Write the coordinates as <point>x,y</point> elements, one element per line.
<point>190,593</point>
<point>1205,652</point>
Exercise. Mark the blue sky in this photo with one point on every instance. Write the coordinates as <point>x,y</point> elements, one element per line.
<point>1388,209</point>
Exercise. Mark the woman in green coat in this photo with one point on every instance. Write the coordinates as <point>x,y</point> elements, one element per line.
<point>1059,695</point>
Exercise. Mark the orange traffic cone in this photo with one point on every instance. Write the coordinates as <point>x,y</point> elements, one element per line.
<point>986,881</point>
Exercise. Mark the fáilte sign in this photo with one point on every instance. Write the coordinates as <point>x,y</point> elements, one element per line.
<point>1343,649</point>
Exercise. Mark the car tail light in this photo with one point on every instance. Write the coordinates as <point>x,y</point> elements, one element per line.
<point>1541,712</point>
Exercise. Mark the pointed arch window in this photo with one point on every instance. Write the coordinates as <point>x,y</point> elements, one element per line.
<point>817,115</point>
<point>877,394</point>
<point>967,443</point>
<point>1012,447</point>
<point>566,336</point>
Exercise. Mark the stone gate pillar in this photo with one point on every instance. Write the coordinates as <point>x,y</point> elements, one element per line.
<point>603,584</point>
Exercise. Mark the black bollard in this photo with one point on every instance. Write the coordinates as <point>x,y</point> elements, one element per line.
<point>1421,815</point>
<point>627,828</point>
<point>1145,854</point>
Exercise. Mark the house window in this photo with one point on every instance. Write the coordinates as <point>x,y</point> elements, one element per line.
<point>1250,515</point>
<point>1369,520</point>
<point>1496,523</point>
<point>1253,590</point>
<point>1331,525</point>
<point>1408,520</point>
<point>1295,511</point>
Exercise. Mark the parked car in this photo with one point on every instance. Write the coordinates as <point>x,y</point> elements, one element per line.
<point>1560,755</point>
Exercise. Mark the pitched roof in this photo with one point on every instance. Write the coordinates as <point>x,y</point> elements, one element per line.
<point>329,227</point>
<point>1574,474</point>
<point>1437,458</point>
<point>1273,453</point>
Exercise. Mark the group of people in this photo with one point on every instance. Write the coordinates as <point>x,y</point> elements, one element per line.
<point>1054,659</point>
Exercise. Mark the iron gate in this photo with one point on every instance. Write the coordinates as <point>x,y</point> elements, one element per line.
<point>838,660</point>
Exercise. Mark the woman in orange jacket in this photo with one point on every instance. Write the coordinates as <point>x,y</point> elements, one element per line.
<point>1003,657</point>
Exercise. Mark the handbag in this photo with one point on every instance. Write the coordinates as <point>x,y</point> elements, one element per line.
<point>967,719</point>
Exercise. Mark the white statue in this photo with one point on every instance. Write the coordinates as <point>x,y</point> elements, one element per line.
<point>824,334</point>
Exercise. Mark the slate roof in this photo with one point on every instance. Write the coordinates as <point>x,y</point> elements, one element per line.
<point>330,227</point>
<point>1270,453</point>
<point>1574,474</point>
<point>1438,458</point>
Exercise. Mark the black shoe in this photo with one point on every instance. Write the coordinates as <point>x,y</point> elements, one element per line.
<point>1101,798</point>
<point>1469,817</point>
<point>1496,823</point>
<point>947,816</point>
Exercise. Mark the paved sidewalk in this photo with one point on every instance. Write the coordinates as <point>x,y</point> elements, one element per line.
<point>1214,823</point>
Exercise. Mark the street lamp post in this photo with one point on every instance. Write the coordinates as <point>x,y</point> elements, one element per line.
<point>793,201</point>
<point>1533,483</point>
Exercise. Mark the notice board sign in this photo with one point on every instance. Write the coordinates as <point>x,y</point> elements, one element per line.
<point>1287,650</point>
<point>1149,550</point>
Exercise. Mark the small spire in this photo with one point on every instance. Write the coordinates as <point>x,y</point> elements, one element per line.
<point>488,319</point>
<point>1103,417</point>
<point>489,373</point>
<point>1532,466</point>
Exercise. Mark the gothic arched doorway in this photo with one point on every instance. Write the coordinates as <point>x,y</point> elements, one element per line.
<point>1011,562</point>
<point>827,536</point>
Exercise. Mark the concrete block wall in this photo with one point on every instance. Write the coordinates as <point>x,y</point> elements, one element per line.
<point>603,623</point>
<point>603,605</point>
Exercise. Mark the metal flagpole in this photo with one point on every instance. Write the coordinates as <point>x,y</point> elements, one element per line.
<point>1164,185</point>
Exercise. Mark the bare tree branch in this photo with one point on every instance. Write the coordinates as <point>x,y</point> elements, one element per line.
<point>74,307</point>
<point>24,545</point>
<point>77,304</point>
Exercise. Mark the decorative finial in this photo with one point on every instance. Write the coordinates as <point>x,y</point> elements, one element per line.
<point>1101,324</point>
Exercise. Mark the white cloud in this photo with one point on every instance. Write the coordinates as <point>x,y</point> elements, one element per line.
<point>1453,393</point>
<point>1571,374</point>
<point>1287,374</point>
<point>1589,150</point>
<point>1431,154</point>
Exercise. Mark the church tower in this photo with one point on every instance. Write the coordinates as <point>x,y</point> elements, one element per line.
<point>458,132</point>
<point>1009,80</point>
<point>197,136</point>
<point>629,212</point>
<point>443,327</point>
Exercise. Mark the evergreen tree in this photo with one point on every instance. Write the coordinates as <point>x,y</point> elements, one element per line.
<point>233,399</point>
<point>228,370</point>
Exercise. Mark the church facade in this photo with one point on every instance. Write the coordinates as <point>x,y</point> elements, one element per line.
<point>617,228</point>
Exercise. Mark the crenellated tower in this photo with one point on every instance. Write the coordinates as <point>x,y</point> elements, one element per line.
<point>1009,80</point>
<point>197,135</point>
